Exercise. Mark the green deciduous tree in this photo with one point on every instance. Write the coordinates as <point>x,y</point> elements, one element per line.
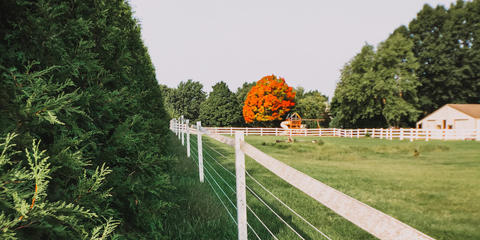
<point>312,105</point>
<point>396,81</point>
<point>187,98</point>
<point>353,103</point>
<point>378,89</point>
<point>221,107</point>
<point>446,44</point>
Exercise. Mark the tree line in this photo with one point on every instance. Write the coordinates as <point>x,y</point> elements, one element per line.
<point>223,107</point>
<point>433,61</point>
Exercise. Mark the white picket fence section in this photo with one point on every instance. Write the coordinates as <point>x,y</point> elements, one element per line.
<point>382,133</point>
<point>369,219</point>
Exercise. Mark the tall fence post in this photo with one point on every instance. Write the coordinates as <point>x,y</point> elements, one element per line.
<point>188,137</point>
<point>183,131</point>
<point>179,121</point>
<point>358,132</point>
<point>200,151</point>
<point>175,126</point>
<point>401,133</point>
<point>241,195</point>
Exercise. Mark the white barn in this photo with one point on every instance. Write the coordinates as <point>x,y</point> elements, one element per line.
<point>453,116</point>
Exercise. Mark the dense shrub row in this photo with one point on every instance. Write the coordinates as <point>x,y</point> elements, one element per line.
<point>82,123</point>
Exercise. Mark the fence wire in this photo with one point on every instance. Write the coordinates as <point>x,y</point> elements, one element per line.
<point>208,167</point>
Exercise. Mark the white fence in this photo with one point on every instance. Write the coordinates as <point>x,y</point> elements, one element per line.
<point>382,133</point>
<point>369,219</point>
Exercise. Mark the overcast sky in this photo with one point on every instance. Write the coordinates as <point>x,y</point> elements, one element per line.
<point>305,41</point>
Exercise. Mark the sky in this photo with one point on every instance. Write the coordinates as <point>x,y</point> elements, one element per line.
<point>307,42</point>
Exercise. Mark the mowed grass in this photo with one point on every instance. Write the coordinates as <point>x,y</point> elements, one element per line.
<point>432,186</point>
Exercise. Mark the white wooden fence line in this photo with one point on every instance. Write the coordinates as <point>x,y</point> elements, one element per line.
<point>370,219</point>
<point>410,134</point>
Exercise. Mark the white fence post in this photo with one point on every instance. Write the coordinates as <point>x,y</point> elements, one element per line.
<point>427,136</point>
<point>373,132</point>
<point>188,137</point>
<point>478,135</point>
<point>261,131</point>
<point>276,131</point>
<point>183,131</point>
<point>411,134</point>
<point>401,133</point>
<point>241,195</point>
<point>305,132</point>
<point>178,129</point>
<point>358,132</point>
<point>200,151</point>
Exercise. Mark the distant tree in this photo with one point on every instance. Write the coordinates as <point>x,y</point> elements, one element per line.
<point>446,46</point>
<point>396,81</point>
<point>187,98</point>
<point>312,105</point>
<point>353,103</point>
<point>168,95</point>
<point>270,99</point>
<point>378,89</point>
<point>221,107</point>
<point>242,91</point>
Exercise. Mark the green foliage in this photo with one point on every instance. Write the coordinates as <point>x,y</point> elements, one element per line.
<point>437,65</point>
<point>76,76</point>
<point>221,108</point>
<point>378,88</point>
<point>187,98</point>
<point>243,91</point>
<point>312,105</point>
<point>24,200</point>
<point>446,45</point>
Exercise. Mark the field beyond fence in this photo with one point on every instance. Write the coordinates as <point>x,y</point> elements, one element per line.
<point>410,198</point>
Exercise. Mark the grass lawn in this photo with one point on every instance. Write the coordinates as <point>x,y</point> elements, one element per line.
<point>432,186</point>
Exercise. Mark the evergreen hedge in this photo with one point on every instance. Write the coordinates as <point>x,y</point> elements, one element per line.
<point>82,125</point>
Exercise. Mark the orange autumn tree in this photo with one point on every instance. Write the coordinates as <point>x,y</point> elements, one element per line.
<point>270,99</point>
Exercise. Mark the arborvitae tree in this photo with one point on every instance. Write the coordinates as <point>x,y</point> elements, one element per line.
<point>221,107</point>
<point>187,98</point>
<point>76,76</point>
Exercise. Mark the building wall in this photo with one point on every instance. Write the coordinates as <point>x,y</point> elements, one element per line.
<point>447,117</point>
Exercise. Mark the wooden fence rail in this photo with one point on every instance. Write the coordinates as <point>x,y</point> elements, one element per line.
<point>382,133</point>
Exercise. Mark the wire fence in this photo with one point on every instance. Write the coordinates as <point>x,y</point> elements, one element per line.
<point>224,186</point>
<point>267,213</point>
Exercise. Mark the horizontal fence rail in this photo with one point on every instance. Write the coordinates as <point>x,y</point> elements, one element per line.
<point>364,216</point>
<point>381,133</point>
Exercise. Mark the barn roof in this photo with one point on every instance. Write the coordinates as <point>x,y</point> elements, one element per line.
<point>472,110</point>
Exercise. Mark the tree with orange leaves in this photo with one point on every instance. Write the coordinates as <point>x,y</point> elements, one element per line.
<point>270,99</point>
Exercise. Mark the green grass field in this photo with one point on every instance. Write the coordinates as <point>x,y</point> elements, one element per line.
<point>433,186</point>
